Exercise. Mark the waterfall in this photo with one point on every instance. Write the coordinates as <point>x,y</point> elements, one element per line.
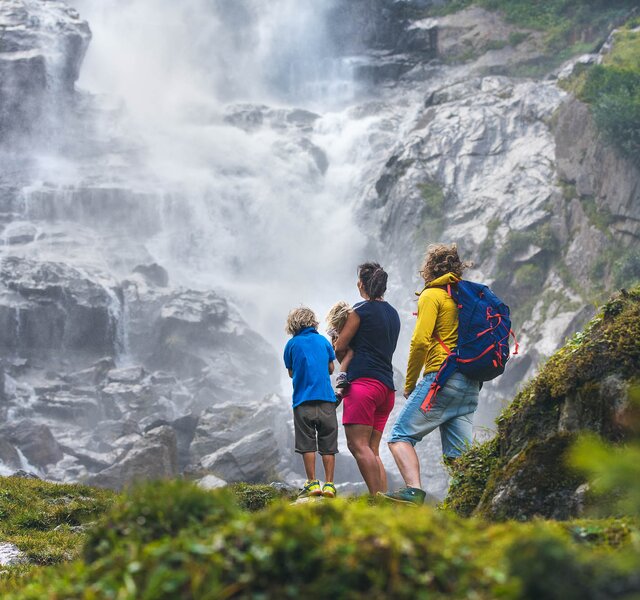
<point>232,108</point>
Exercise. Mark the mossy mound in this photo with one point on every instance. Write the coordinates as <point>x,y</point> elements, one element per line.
<point>174,540</point>
<point>584,387</point>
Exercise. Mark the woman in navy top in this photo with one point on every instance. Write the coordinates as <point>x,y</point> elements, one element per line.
<point>371,330</point>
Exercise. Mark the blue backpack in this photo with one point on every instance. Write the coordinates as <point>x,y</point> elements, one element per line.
<point>484,327</point>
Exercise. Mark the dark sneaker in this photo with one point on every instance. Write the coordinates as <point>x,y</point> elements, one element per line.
<point>310,488</point>
<point>407,495</point>
<point>341,381</point>
<point>329,490</point>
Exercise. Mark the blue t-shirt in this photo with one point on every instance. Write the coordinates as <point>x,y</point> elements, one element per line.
<point>308,355</point>
<point>375,342</point>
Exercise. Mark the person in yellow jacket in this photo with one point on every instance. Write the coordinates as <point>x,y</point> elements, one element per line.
<point>452,411</point>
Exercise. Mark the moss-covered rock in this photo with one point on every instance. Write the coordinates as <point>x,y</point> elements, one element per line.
<point>584,387</point>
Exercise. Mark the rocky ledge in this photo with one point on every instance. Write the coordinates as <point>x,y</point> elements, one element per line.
<point>42,45</point>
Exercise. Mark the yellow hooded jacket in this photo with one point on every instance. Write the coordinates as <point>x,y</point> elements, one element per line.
<point>437,315</point>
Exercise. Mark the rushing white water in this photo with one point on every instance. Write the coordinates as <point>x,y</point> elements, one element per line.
<point>249,212</point>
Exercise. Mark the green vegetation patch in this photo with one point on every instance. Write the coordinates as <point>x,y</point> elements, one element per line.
<point>571,27</point>
<point>47,520</point>
<point>325,549</point>
<point>434,197</point>
<point>612,89</point>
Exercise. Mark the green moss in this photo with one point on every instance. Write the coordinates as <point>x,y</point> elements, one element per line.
<point>517,37</point>
<point>433,195</point>
<point>469,475</point>
<point>496,44</point>
<point>489,241</point>
<point>45,520</point>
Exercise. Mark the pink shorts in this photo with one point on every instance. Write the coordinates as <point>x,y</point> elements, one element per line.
<point>368,402</point>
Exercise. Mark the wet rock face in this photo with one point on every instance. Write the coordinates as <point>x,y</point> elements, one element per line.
<point>49,308</point>
<point>154,456</point>
<point>597,171</point>
<point>38,39</point>
<point>199,334</point>
<point>36,442</point>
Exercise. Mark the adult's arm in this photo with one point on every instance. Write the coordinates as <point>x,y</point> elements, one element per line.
<point>290,373</point>
<point>331,367</point>
<point>421,339</point>
<point>346,335</point>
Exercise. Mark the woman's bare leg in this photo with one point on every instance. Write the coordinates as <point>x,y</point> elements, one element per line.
<point>374,443</point>
<point>359,444</point>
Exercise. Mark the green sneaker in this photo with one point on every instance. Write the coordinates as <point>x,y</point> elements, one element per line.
<point>310,488</point>
<point>406,495</point>
<point>329,490</point>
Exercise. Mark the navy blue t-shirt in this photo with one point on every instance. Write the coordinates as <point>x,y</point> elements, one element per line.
<point>308,355</point>
<point>375,342</point>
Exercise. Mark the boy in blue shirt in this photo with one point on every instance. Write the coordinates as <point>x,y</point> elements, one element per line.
<point>308,356</point>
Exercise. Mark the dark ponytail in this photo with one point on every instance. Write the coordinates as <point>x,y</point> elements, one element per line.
<point>374,280</point>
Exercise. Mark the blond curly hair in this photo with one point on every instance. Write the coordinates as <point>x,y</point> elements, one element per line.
<point>441,259</point>
<point>337,317</point>
<point>300,318</point>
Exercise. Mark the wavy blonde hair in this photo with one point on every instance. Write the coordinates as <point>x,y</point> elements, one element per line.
<point>300,318</point>
<point>337,316</point>
<point>441,259</point>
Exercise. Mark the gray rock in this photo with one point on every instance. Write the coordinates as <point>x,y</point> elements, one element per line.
<point>9,455</point>
<point>154,456</point>
<point>154,274</point>
<point>130,375</point>
<point>11,555</point>
<point>211,482</point>
<point>66,406</point>
<point>25,474</point>
<point>251,459</point>
<point>31,56</point>
<point>47,308</point>
<point>94,374</point>
<point>35,441</point>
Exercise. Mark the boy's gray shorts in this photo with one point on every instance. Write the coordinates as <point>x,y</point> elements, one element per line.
<point>316,427</point>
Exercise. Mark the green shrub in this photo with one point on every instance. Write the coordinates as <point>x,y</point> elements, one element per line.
<point>256,497</point>
<point>155,510</point>
<point>613,91</point>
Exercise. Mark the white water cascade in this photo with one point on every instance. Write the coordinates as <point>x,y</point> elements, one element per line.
<point>263,210</point>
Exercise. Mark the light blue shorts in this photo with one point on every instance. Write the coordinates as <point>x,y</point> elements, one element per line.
<point>452,411</point>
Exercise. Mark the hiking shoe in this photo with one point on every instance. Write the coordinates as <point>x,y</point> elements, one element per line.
<point>406,495</point>
<point>329,490</point>
<point>310,488</point>
<point>341,381</point>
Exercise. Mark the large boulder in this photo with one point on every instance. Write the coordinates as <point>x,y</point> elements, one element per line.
<point>199,335</point>
<point>154,456</point>
<point>48,309</point>
<point>35,441</point>
<point>251,459</point>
